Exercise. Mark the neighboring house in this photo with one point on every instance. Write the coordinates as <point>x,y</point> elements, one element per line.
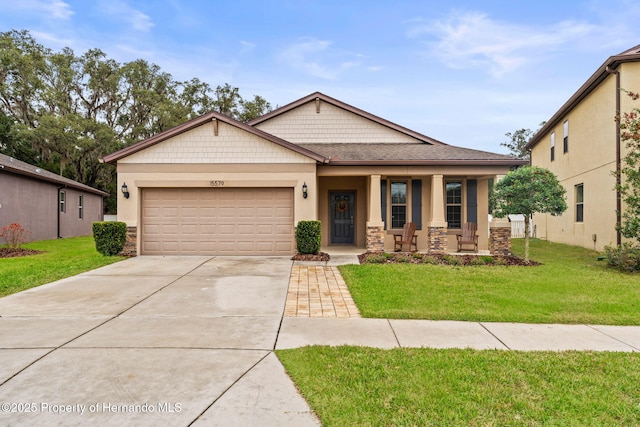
<point>581,145</point>
<point>214,185</point>
<point>49,206</point>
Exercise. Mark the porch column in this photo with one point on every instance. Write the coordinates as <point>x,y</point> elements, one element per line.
<point>500,233</point>
<point>437,227</point>
<point>375,226</point>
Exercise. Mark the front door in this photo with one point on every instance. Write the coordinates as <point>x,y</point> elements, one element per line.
<point>342,216</point>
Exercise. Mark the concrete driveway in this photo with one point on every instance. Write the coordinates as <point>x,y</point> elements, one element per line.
<point>171,341</point>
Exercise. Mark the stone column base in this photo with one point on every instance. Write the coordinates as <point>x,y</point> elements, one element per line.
<point>130,244</point>
<point>375,238</point>
<point>437,237</point>
<point>500,241</point>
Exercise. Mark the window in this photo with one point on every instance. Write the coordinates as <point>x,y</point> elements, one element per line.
<point>553,146</point>
<point>580,203</point>
<point>454,204</point>
<point>63,201</point>
<point>565,140</point>
<point>80,200</point>
<point>398,204</point>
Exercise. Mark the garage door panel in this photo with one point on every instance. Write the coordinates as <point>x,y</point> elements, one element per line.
<point>240,221</point>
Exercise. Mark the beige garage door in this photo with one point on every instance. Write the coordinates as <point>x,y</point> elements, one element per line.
<point>217,221</point>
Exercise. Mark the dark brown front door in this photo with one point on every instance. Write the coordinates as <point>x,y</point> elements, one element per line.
<point>342,216</point>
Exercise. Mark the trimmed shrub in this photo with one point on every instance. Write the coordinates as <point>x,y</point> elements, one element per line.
<point>624,258</point>
<point>477,261</point>
<point>388,255</point>
<point>110,237</point>
<point>308,237</point>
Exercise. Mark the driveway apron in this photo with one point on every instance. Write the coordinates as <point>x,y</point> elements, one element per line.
<point>171,341</point>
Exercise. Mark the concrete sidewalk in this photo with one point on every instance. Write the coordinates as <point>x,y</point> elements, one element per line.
<point>386,333</point>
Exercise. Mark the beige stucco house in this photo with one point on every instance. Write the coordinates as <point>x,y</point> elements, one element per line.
<point>214,185</point>
<point>581,144</point>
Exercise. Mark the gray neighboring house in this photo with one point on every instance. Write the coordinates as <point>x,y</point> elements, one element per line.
<point>48,205</point>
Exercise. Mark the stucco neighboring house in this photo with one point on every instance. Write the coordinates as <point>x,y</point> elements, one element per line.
<point>48,205</point>
<point>581,144</point>
<point>214,185</point>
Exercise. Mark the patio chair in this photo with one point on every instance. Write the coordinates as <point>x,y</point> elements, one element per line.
<point>468,236</point>
<point>408,237</point>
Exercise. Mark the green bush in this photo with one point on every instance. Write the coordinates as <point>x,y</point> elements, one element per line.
<point>477,261</point>
<point>452,260</point>
<point>110,237</point>
<point>375,259</point>
<point>624,258</point>
<point>308,237</point>
<point>403,259</point>
<point>430,259</point>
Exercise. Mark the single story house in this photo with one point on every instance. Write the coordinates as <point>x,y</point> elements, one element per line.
<point>214,185</point>
<point>47,205</point>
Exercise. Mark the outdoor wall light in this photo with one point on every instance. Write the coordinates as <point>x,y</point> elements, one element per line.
<point>125,190</point>
<point>304,190</point>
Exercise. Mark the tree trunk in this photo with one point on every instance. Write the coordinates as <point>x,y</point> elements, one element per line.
<point>526,238</point>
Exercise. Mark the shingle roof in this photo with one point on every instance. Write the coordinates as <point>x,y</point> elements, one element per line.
<point>9,164</point>
<point>407,153</point>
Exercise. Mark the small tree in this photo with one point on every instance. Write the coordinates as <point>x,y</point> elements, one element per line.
<point>528,190</point>
<point>629,173</point>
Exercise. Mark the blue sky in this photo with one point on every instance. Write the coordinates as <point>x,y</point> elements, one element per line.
<point>463,72</point>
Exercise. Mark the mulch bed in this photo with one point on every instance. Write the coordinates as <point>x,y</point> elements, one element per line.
<point>444,259</point>
<point>12,253</point>
<point>320,256</point>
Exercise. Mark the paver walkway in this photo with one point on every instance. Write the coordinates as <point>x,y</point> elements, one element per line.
<point>318,291</point>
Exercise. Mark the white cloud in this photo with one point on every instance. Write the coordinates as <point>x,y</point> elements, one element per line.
<point>298,55</point>
<point>472,39</point>
<point>56,9</point>
<point>121,10</point>
<point>318,58</point>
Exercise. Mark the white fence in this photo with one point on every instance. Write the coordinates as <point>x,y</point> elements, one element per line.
<point>517,226</point>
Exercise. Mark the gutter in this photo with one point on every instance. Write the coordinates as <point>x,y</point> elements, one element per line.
<point>618,158</point>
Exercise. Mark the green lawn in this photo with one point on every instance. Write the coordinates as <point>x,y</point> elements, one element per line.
<point>62,258</point>
<point>570,286</point>
<point>355,386</point>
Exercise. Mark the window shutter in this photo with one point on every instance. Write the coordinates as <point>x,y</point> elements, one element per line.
<point>383,201</point>
<point>416,203</point>
<point>472,200</point>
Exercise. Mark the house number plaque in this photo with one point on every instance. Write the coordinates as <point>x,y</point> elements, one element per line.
<point>216,183</point>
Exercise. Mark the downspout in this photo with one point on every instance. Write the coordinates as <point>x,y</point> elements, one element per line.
<point>618,155</point>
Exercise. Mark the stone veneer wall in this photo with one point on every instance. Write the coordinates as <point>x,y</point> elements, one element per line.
<point>130,243</point>
<point>437,240</point>
<point>375,239</point>
<point>500,238</point>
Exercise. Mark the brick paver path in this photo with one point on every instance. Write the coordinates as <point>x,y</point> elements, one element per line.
<point>318,291</point>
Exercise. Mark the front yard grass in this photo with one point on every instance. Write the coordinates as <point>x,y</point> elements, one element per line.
<point>571,286</point>
<point>349,386</point>
<point>62,258</point>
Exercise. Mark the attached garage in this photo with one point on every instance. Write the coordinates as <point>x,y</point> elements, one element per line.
<point>217,221</point>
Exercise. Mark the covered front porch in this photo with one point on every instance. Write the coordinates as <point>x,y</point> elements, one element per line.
<point>363,209</point>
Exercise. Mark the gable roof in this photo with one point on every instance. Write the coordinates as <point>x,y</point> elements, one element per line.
<point>198,121</point>
<point>424,151</point>
<point>320,96</point>
<point>11,165</point>
<point>609,66</point>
